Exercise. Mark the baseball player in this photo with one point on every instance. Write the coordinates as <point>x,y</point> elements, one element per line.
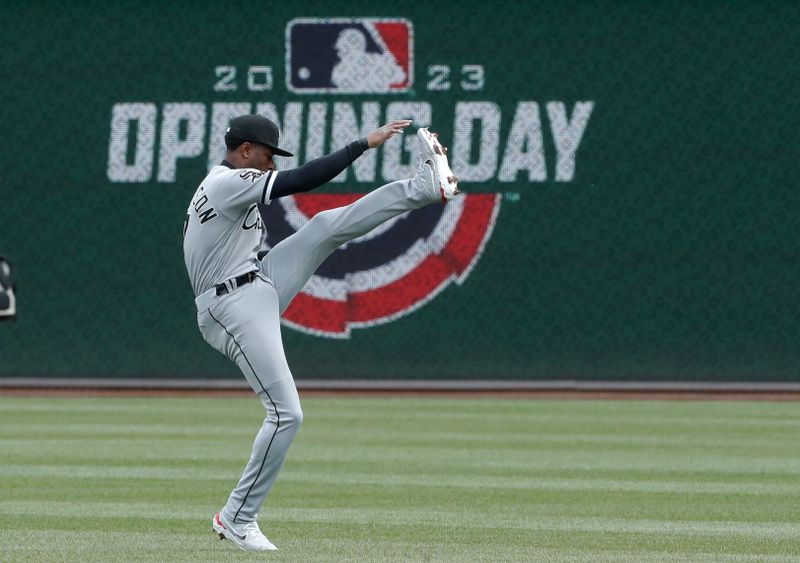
<point>240,298</point>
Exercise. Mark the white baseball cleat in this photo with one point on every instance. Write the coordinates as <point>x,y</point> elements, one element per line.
<point>432,151</point>
<point>246,536</point>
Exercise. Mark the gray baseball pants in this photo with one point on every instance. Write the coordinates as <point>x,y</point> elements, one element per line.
<point>245,325</point>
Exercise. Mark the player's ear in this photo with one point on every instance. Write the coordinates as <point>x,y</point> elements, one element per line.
<point>245,149</point>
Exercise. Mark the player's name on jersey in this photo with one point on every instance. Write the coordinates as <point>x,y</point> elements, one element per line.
<point>147,140</point>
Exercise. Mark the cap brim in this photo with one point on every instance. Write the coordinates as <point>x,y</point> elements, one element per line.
<point>280,152</point>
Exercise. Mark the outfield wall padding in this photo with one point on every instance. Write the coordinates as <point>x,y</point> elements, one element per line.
<point>631,171</point>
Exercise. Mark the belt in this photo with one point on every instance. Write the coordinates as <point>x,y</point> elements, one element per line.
<point>229,285</point>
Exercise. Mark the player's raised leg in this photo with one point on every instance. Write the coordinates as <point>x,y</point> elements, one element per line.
<point>295,259</point>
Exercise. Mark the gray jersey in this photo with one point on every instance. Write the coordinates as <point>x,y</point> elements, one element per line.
<point>223,228</point>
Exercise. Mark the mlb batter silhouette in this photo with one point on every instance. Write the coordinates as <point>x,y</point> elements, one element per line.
<point>361,71</point>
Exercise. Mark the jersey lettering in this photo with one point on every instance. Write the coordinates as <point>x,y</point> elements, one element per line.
<point>251,221</point>
<point>251,175</point>
<point>206,214</point>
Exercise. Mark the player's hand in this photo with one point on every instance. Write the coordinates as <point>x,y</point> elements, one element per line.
<point>380,136</point>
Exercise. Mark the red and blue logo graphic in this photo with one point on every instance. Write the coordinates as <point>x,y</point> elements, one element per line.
<point>389,272</point>
<point>349,56</point>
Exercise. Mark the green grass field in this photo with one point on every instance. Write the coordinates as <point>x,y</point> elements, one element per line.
<point>110,479</point>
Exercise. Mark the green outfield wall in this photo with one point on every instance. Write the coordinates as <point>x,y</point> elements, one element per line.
<point>632,171</point>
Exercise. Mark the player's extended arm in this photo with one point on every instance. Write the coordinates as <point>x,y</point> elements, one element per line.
<point>321,170</point>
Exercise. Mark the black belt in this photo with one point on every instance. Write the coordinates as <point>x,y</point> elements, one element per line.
<point>237,282</point>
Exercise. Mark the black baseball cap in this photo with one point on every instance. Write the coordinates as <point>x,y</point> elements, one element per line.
<point>255,129</point>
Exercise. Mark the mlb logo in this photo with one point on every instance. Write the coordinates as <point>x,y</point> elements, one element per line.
<point>349,56</point>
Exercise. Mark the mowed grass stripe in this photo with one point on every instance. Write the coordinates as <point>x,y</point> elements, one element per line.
<point>139,428</point>
<point>82,408</point>
<point>593,536</point>
<point>459,481</point>
<point>105,546</point>
<point>414,461</point>
<point>411,517</point>
<point>736,461</point>
<point>684,412</point>
<point>359,542</point>
<point>438,438</point>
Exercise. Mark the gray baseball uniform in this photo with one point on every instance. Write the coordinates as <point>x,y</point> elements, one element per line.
<point>240,299</point>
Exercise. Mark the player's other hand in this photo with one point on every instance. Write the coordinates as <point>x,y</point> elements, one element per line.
<point>383,134</point>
